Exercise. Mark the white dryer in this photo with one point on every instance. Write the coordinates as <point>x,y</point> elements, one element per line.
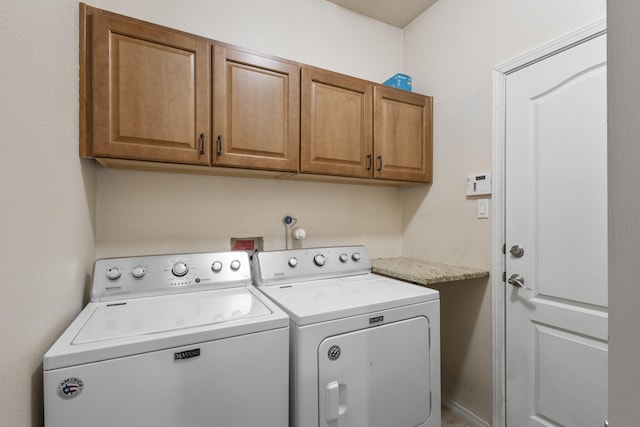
<point>171,340</point>
<point>365,349</point>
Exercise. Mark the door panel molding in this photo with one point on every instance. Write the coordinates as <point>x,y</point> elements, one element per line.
<point>500,73</point>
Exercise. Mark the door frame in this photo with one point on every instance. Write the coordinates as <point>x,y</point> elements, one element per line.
<point>500,73</point>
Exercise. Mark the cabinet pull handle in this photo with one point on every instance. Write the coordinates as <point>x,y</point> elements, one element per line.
<point>370,161</point>
<point>219,145</point>
<point>201,143</point>
<point>379,163</point>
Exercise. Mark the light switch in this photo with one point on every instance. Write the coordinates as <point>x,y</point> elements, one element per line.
<point>483,208</point>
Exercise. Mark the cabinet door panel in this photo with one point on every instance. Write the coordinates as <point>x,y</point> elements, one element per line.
<point>403,135</point>
<point>336,124</point>
<point>150,92</point>
<point>256,112</point>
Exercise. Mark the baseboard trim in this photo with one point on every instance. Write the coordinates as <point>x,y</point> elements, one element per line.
<point>464,413</point>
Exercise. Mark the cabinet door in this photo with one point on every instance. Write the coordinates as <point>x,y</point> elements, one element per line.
<point>150,92</point>
<point>336,124</point>
<point>256,111</point>
<point>403,135</point>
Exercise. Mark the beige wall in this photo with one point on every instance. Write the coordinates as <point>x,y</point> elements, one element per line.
<point>148,212</point>
<point>450,52</point>
<point>48,196</point>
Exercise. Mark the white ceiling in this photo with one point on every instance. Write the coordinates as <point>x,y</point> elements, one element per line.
<point>395,12</point>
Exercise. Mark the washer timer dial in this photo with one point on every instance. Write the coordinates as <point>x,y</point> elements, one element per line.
<point>180,268</point>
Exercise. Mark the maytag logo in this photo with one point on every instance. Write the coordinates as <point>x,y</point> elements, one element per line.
<point>187,354</point>
<point>376,319</point>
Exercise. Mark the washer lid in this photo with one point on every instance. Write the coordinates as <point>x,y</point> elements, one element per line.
<point>108,330</point>
<point>168,313</point>
<point>330,299</point>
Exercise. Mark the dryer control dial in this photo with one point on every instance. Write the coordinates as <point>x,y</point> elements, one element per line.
<point>293,262</point>
<point>344,257</point>
<point>235,265</point>
<point>180,268</point>
<point>356,256</point>
<point>320,260</point>
<point>113,273</point>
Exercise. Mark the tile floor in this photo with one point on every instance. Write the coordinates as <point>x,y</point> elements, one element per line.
<point>451,419</point>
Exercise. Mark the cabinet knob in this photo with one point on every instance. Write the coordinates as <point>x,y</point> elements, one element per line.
<point>201,143</point>
<point>379,163</point>
<point>370,161</point>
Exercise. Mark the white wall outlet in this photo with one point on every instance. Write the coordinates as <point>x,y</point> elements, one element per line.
<point>479,185</point>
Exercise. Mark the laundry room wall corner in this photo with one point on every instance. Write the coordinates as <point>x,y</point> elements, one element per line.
<point>48,197</point>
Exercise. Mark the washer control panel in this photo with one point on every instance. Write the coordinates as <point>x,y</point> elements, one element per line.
<point>120,278</point>
<point>296,265</point>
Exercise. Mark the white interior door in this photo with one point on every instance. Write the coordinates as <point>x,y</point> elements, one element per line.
<point>555,210</point>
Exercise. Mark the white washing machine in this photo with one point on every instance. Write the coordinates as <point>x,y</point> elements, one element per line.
<point>365,349</point>
<point>171,340</point>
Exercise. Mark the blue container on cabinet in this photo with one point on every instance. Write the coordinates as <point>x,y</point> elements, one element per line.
<point>400,81</point>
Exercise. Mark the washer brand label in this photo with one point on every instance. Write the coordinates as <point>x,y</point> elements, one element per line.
<point>334,352</point>
<point>70,388</point>
<point>188,354</point>
<point>376,319</point>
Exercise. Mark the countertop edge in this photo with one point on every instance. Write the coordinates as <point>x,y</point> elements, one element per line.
<point>424,273</point>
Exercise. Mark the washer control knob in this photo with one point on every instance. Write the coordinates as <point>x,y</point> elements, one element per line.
<point>216,267</point>
<point>138,272</point>
<point>344,257</point>
<point>180,268</point>
<point>113,273</point>
<point>320,260</point>
<point>293,262</point>
<point>356,256</point>
<point>235,265</point>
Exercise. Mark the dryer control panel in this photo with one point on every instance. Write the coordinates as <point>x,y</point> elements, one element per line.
<point>132,277</point>
<point>298,265</point>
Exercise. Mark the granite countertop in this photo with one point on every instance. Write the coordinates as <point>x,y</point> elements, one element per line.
<point>423,272</point>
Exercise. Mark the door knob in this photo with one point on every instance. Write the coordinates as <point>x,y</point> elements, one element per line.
<point>518,281</point>
<point>517,251</point>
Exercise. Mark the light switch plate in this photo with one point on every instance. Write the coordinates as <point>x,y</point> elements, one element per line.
<point>483,208</point>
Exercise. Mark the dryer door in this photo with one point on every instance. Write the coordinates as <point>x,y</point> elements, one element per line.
<point>376,377</point>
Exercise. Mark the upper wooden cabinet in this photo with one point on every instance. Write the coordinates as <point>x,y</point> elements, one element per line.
<point>354,128</point>
<point>146,92</point>
<point>156,98</point>
<point>148,96</point>
<point>337,132</point>
<point>402,135</point>
<point>256,118</point>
